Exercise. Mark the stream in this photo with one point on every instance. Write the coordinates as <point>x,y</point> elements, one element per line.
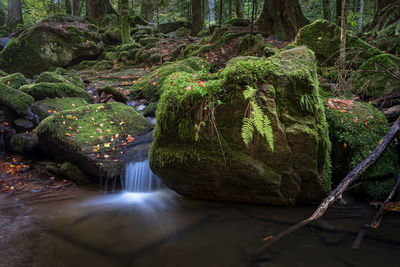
<point>157,227</point>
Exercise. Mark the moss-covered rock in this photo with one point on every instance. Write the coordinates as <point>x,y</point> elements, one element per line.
<point>239,22</point>
<point>117,95</point>
<point>43,90</point>
<point>93,136</point>
<point>23,143</point>
<point>150,85</point>
<point>15,99</point>
<point>52,77</point>
<point>198,148</point>
<point>112,36</point>
<point>324,39</point>
<point>148,40</point>
<point>49,106</point>
<point>150,110</point>
<point>15,80</point>
<point>355,129</point>
<point>377,76</point>
<point>50,44</point>
<point>73,173</point>
<point>139,20</point>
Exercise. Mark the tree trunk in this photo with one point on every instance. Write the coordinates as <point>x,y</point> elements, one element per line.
<point>14,14</point>
<point>338,12</point>
<point>196,16</point>
<point>76,7</point>
<point>68,9</point>
<point>125,23</point>
<point>281,18</point>
<point>147,10</point>
<point>97,9</point>
<point>221,6</point>
<point>238,8</point>
<point>385,3</point>
<point>326,11</point>
<point>360,20</point>
<point>343,34</point>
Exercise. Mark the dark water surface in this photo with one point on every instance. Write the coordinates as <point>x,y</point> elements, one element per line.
<point>88,228</point>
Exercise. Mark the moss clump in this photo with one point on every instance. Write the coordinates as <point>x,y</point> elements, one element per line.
<point>150,110</point>
<point>73,173</point>
<point>49,106</point>
<point>198,149</point>
<point>117,95</point>
<point>355,130</point>
<point>150,85</point>
<point>324,39</point>
<point>93,129</point>
<point>139,20</point>
<point>155,58</point>
<point>15,80</point>
<point>148,41</point>
<point>23,143</point>
<point>43,90</point>
<point>255,46</point>
<point>15,99</point>
<point>112,36</point>
<point>51,77</point>
<point>373,78</point>
<point>239,22</point>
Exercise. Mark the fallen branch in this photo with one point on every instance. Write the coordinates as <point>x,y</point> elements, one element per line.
<point>378,217</point>
<point>338,191</point>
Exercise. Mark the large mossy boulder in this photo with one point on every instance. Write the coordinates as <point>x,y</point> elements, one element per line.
<point>56,42</point>
<point>199,148</point>
<point>150,85</point>
<point>324,39</point>
<point>93,136</point>
<point>15,80</point>
<point>355,129</point>
<point>23,143</point>
<point>49,106</point>
<point>16,100</point>
<point>44,90</point>
<point>377,76</point>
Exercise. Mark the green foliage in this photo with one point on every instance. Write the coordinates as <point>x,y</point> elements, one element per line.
<point>255,119</point>
<point>307,102</point>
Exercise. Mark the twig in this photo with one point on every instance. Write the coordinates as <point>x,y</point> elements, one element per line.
<point>337,192</point>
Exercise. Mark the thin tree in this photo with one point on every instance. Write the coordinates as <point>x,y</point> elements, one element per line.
<point>125,22</point>
<point>239,8</point>
<point>197,23</point>
<point>326,11</point>
<point>68,9</point>
<point>360,20</point>
<point>97,9</point>
<point>14,16</point>
<point>221,6</point>
<point>76,7</point>
<point>338,12</point>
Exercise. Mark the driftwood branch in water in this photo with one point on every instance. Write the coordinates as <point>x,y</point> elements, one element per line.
<point>378,217</point>
<point>337,192</point>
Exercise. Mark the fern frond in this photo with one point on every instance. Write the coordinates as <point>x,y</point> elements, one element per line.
<point>247,130</point>
<point>257,116</point>
<point>250,92</point>
<point>268,133</point>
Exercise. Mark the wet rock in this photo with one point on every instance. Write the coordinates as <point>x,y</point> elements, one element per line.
<point>199,147</point>
<point>24,143</point>
<point>73,173</point>
<point>172,26</point>
<point>23,124</point>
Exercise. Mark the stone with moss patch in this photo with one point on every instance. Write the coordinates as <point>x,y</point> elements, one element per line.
<point>198,148</point>
<point>117,95</point>
<point>72,172</point>
<point>15,80</point>
<point>355,130</point>
<point>52,77</point>
<point>23,143</point>
<point>324,39</point>
<point>377,76</point>
<point>49,106</point>
<point>150,85</point>
<point>239,22</point>
<point>93,136</point>
<point>15,99</point>
<point>50,44</point>
<point>43,90</point>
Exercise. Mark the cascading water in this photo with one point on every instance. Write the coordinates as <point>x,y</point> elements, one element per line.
<point>140,178</point>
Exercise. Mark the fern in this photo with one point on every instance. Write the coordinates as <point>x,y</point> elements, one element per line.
<point>307,102</point>
<point>255,120</point>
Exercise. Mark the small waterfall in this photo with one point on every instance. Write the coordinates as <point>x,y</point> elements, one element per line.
<point>140,178</point>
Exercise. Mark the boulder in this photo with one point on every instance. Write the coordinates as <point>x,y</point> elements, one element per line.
<point>72,172</point>
<point>23,124</point>
<point>355,129</point>
<point>15,99</point>
<point>172,26</point>
<point>43,90</point>
<point>256,132</point>
<point>324,39</point>
<point>23,143</point>
<point>377,76</point>
<point>59,41</point>
<point>49,106</point>
<point>15,80</point>
<point>93,136</point>
<point>116,95</point>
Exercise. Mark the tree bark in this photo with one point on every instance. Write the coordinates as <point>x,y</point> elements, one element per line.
<point>196,17</point>
<point>97,9</point>
<point>281,18</point>
<point>338,12</point>
<point>68,9</point>
<point>147,10</point>
<point>14,14</point>
<point>338,191</point>
<point>125,23</point>
<point>343,34</point>
<point>221,6</point>
<point>238,8</point>
<point>326,11</point>
<point>76,7</point>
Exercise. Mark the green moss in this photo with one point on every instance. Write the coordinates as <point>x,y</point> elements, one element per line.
<point>73,173</point>
<point>324,39</point>
<point>42,90</point>
<point>139,20</point>
<point>155,58</point>
<point>49,106</point>
<point>254,47</point>
<point>23,143</point>
<point>203,32</point>
<point>15,80</point>
<point>150,85</point>
<point>117,95</point>
<point>51,77</point>
<point>112,36</point>
<point>148,40</point>
<point>374,77</point>
<point>239,22</point>
<point>355,130</point>
<point>15,99</point>
<point>150,110</point>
